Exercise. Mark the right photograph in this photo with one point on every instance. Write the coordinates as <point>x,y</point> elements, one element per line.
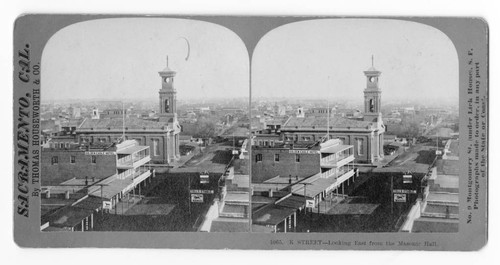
<point>354,128</point>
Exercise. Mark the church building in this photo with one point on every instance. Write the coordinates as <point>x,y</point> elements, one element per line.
<point>162,135</point>
<point>366,134</point>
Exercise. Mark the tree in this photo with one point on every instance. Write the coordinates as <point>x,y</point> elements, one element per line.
<point>205,128</point>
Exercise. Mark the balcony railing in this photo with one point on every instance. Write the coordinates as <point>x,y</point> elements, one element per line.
<point>141,174</point>
<point>336,173</point>
<point>132,162</point>
<point>336,161</point>
<point>131,173</point>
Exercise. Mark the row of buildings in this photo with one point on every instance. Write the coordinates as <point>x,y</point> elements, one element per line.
<point>81,181</point>
<point>103,161</point>
<point>438,208</point>
<point>301,161</point>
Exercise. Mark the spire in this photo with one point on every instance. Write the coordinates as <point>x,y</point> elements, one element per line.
<point>167,68</point>
<point>372,68</point>
<point>167,60</point>
<point>372,60</point>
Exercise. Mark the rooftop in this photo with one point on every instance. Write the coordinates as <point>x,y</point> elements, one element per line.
<point>131,149</point>
<point>448,167</point>
<point>445,198</point>
<point>118,124</point>
<point>67,216</point>
<point>315,186</point>
<point>319,122</point>
<point>292,201</point>
<point>335,148</point>
<point>230,225</point>
<point>272,214</point>
<point>240,197</point>
<point>446,181</point>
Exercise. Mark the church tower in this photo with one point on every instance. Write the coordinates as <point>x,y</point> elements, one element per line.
<point>373,95</point>
<point>168,98</point>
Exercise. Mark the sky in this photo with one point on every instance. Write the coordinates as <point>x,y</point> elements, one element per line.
<point>121,58</point>
<point>326,59</point>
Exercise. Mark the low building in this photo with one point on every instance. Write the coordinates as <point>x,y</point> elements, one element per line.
<point>79,215</point>
<point>366,134</point>
<point>110,172</point>
<point>438,210</point>
<point>231,211</point>
<point>287,179</point>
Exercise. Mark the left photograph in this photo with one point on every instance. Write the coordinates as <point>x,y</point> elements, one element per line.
<point>145,126</point>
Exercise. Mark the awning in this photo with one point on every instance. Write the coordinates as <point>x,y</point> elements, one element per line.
<point>272,215</point>
<point>316,187</point>
<point>335,149</point>
<point>131,150</point>
<point>294,202</point>
<point>113,188</point>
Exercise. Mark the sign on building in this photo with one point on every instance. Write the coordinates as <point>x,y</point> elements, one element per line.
<point>398,197</point>
<point>407,179</point>
<point>94,153</point>
<point>202,191</point>
<point>106,205</point>
<point>303,151</point>
<point>196,197</point>
<point>404,191</point>
<point>204,179</point>
<point>309,203</point>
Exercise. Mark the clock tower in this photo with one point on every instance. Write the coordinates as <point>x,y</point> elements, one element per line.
<point>373,95</point>
<point>168,97</point>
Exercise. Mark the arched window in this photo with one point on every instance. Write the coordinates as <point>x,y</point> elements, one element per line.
<point>372,105</point>
<point>167,105</point>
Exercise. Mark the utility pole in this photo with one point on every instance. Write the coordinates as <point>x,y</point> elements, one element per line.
<point>189,196</point>
<point>305,196</point>
<point>392,194</point>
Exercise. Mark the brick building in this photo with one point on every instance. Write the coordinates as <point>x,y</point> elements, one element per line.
<point>162,135</point>
<point>108,171</point>
<point>366,134</point>
<point>286,176</point>
<point>286,165</point>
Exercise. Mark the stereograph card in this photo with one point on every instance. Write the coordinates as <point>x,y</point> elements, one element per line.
<point>248,132</point>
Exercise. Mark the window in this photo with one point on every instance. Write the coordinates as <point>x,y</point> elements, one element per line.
<point>72,159</point>
<point>93,159</point>
<point>156,147</point>
<point>297,158</point>
<point>258,158</point>
<point>359,143</point>
<point>55,160</point>
<point>276,157</point>
<point>61,145</point>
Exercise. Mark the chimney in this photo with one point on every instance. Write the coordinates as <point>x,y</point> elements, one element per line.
<point>270,193</point>
<point>47,194</point>
<point>66,195</point>
<point>93,179</point>
<point>86,181</point>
